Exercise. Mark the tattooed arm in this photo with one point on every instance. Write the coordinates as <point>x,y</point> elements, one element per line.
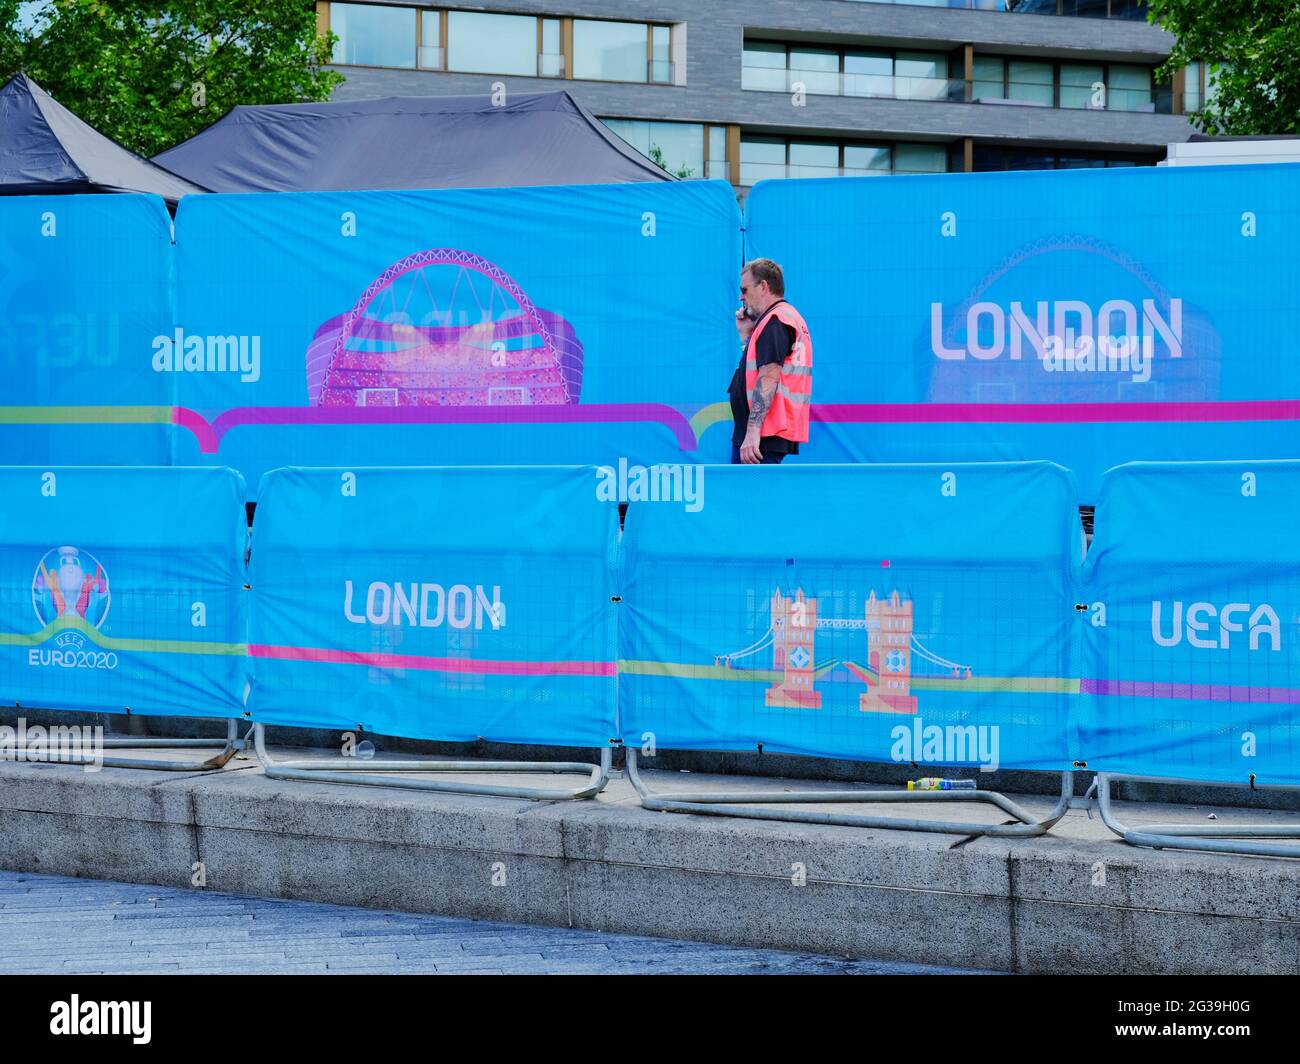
<point>760,402</point>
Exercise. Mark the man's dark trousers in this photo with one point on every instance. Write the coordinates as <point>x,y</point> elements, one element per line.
<point>768,459</point>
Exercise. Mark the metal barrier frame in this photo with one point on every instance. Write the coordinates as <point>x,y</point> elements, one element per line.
<point>349,770</point>
<point>730,803</point>
<point>1218,838</point>
<point>230,746</point>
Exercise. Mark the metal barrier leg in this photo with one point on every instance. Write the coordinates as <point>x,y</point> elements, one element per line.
<point>230,746</point>
<point>1218,838</point>
<point>733,803</point>
<point>340,770</point>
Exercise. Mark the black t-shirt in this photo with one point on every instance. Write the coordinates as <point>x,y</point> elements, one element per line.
<point>775,343</point>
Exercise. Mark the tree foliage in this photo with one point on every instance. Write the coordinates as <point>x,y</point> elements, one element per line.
<point>149,75</point>
<point>1252,48</point>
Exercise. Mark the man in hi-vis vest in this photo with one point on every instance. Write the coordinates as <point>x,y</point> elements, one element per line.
<point>771,390</point>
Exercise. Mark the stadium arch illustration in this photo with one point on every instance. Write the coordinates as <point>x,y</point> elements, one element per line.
<point>444,327</point>
<point>1193,377</point>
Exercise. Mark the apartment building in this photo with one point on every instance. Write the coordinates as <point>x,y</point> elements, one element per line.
<point>803,88</point>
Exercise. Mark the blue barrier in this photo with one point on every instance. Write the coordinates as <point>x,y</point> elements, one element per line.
<point>972,317</point>
<point>891,613</point>
<point>85,290</point>
<point>498,326</point>
<point>1192,667</point>
<point>440,603</point>
<point>122,590</point>
<point>956,317</point>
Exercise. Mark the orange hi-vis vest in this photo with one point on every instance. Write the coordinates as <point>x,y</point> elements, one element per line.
<point>788,415</point>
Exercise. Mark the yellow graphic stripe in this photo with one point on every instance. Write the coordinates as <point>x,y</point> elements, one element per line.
<point>709,416</point>
<point>696,672</point>
<point>1016,684</point>
<point>85,415</point>
<point>148,646</point>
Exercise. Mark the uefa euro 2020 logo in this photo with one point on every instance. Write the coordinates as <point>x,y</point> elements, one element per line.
<point>71,584</point>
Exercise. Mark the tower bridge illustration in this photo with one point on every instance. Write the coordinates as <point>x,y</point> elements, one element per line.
<point>893,653</point>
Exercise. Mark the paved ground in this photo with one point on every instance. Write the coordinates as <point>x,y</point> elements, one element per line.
<point>59,924</point>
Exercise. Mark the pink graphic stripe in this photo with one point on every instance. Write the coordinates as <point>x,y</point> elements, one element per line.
<point>478,666</point>
<point>1053,413</point>
<point>458,415</point>
<point>197,424</point>
<point>1200,692</point>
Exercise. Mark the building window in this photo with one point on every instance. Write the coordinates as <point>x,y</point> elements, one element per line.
<point>763,67</point>
<point>432,56</point>
<point>920,75</point>
<point>920,159</point>
<point>1129,88</point>
<point>622,51</point>
<point>550,61</point>
<point>867,160</point>
<point>717,164</point>
<point>995,157</point>
<point>1194,91</point>
<point>813,160</point>
<point>491,44</point>
<point>1083,85</point>
<point>1135,10</point>
<point>474,42</point>
<point>661,57</point>
<point>610,51</point>
<point>1031,82</point>
<point>1110,86</point>
<point>679,145</point>
<point>763,158</point>
<point>1200,85</point>
<point>817,69</point>
<point>370,35</point>
<point>868,73</point>
<point>767,66</point>
<point>989,74</point>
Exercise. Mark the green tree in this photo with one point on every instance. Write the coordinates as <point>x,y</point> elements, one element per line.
<point>149,75</point>
<point>1252,48</point>
<point>657,157</point>
<point>11,38</point>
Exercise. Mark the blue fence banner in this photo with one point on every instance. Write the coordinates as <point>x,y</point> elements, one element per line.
<point>441,603</point>
<point>122,589</point>
<point>1055,316</point>
<point>84,293</point>
<point>910,613</point>
<point>1192,666</point>
<point>474,326</point>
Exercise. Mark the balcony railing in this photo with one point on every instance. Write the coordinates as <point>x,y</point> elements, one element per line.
<point>832,83</point>
<point>752,173</point>
<point>1129,10</point>
<point>1096,97</point>
<point>661,71</point>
